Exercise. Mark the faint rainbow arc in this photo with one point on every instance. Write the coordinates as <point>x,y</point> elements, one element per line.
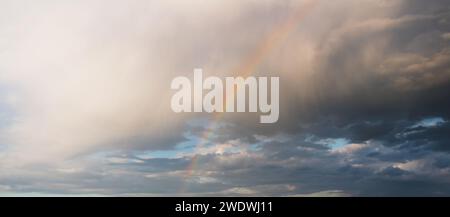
<point>248,67</point>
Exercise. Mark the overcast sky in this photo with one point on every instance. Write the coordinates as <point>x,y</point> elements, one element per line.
<point>364,98</point>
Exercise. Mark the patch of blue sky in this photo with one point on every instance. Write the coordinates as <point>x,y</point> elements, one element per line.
<point>334,143</point>
<point>158,154</point>
<point>190,147</point>
<point>256,147</point>
<point>180,149</point>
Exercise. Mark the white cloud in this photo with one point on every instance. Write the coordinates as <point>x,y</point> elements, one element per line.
<point>350,148</point>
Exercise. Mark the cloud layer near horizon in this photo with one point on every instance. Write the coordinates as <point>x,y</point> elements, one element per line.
<point>85,96</point>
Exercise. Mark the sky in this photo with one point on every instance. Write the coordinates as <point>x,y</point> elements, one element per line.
<point>85,98</point>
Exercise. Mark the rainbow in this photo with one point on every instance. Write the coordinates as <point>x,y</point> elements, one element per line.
<point>246,68</point>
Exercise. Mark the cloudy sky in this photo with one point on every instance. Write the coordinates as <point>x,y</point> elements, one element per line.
<point>85,98</point>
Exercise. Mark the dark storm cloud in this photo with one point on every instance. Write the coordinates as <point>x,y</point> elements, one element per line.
<point>383,70</point>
